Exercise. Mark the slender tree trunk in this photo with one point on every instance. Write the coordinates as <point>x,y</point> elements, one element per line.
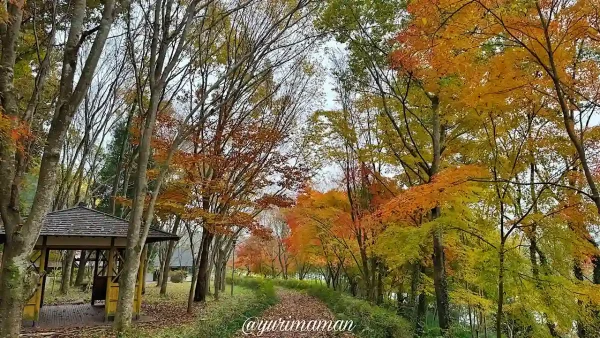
<point>439,262</point>
<point>159,275</point>
<point>471,321</point>
<point>380,272</point>
<point>581,329</point>
<point>160,67</point>
<point>421,313</point>
<point>372,291</point>
<point>484,325</point>
<point>420,301</point>
<point>211,265</point>
<point>169,254</point>
<point>400,299</point>
<point>190,303</point>
<point>217,281</point>
<point>72,271</point>
<point>115,186</point>
<point>223,272</point>
<point>500,304</point>
<point>135,242</point>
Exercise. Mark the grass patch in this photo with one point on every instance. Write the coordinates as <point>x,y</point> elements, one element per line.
<point>176,293</point>
<point>371,321</point>
<point>75,295</point>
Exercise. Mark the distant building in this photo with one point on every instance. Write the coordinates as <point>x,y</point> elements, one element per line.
<point>182,259</point>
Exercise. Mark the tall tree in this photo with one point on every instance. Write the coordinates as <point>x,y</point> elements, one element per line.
<point>17,281</point>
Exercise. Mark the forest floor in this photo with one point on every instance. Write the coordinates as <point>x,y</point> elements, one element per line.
<point>295,306</point>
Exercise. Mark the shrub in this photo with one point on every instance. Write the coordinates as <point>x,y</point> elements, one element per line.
<point>178,276</point>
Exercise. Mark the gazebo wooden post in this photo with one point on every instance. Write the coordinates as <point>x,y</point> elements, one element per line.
<point>95,273</point>
<point>140,283</point>
<point>45,275</point>
<point>109,280</point>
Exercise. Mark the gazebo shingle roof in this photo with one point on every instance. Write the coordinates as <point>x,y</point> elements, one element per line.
<point>85,222</point>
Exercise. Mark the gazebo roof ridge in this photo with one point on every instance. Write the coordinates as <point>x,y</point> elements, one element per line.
<point>81,221</point>
<point>113,216</point>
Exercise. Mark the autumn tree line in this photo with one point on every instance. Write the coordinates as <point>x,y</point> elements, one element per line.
<point>179,115</point>
<point>465,146</point>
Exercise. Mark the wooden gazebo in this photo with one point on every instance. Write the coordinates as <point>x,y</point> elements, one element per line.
<point>82,228</point>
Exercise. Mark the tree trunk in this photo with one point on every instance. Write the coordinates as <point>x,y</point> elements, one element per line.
<point>217,284</point>
<point>580,324</point>
<point>419,300</point>
<point>81,271</point>
<point>167,263</point>
<point>162,39</point>
<point>118,169</point>
<point>192,287</point>
<point>65,281</point>
<point>217,277</point>
<point>380,272</point>
<point>499,313</point>
<point>202,283</point>
<point>15,258</point>
<point>17,287</point>
<point>136,236</point>
<point>127,286</point>
<point>439,269</point>
<point>420,315</point>
<point>439,278</point>
<point>161,267</point>
<point>400,299</point>
<point>223,272</point>
<point>72,271</point>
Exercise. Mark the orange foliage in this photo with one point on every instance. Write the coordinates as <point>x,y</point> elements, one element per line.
<point>448,185</point>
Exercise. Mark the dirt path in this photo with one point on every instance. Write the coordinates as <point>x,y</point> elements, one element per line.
<point>294,305</point>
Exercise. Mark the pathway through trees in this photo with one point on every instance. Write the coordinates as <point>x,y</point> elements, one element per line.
<point>294,305</point>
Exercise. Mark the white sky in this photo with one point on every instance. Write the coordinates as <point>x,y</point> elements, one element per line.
<point>329,176</point>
